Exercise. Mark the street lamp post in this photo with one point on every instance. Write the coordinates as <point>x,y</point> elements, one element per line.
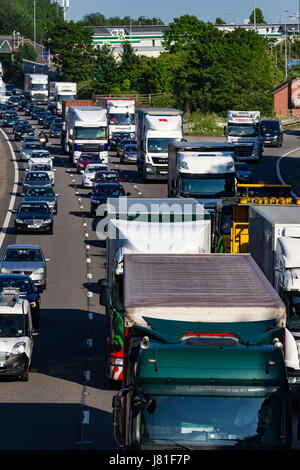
<point>285,43</point>
<point>34,23</point>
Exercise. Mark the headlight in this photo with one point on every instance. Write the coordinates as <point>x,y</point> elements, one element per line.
<point>39,271</point>
<point>294,380</point>
<point>20,221</point>
<point>19,348</point>
<point>4,270</point>
<point>150,169</point>
<point>47,221</point>
<point>33,304</point>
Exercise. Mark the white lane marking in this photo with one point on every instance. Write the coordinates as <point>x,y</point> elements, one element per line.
<point>279,175</point>
<point>85,417</point>
<point>15,190</point>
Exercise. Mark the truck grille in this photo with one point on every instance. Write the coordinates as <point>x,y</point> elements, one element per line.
<point>91,147</point>
<point>40,96</point>
<point>160,161</point>
<point>243,151</point>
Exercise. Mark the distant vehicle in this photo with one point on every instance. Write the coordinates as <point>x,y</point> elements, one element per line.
<point>26,259</point>
<point>9,118</point>
<point>21,121</point>
<point>85,159</point>
<point>55,130</point>
<point>272,132</point>
<point>42,194</point>
<point>21,130</point>
<point>40,156</point>
<point>36,178</point>
<point>243,172</point>
<point>33,217</point>
<point>41,165</point>
<point>101,192</point>
<point>48,121</point>
<point>89,173</point>
<point>27,289</point>
<point>28,147</point>
<point>43,116</point>
<point>116,137</point>
<point>107,176</point>
<point>36,112</point>
<point>121,144</point>
<point>129,153</point>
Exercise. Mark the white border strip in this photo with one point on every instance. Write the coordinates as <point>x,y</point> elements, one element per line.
<point>15,190</point>
<point>279,176</point>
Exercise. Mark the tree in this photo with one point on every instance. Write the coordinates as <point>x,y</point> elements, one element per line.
<point>259,17</point>
<point>98,19</point>
<point>126,65</point>
<point>219,21</point>
<point>106,77</point>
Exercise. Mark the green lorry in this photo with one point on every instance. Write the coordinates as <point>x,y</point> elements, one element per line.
<point>203,355</point>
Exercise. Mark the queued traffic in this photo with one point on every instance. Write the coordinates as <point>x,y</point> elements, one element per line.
<point>194,363</point>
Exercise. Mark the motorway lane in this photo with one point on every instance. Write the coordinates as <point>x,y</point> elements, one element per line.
<point>67,402</point>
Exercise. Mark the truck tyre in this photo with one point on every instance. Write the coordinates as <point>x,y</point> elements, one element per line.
<point>25,376</point>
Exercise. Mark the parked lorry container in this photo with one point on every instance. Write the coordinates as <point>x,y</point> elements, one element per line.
<point>120,115</point>
<point>202,170</point>
<point>274,243</point>
<point>36,87</point>
<point>143,225</point>
<point>156,127</point>
<point>203,361</point>
<point>86,129</point>
<point>243,130</point>
<point>61,91</point>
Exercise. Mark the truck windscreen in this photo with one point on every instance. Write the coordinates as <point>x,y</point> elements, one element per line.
<point>242,130</point>
<point>293,320</point>
<point>66,97</point>
<point>237,421</point>
<point>12,325</point>
<point>38,86</point>
<point>117,119</point>
<point>158,145</point>
<point>207,187</point>
<point>90,133</point>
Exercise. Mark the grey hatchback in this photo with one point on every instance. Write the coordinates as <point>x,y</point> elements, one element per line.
<point>25,259</point>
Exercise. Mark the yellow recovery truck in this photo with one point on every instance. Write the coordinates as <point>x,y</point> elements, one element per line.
<point>231,218</point>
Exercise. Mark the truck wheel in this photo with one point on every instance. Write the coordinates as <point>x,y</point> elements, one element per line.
<point>25,377</point>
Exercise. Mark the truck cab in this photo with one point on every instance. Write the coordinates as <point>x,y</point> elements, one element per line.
<point>36,88</point>
<point>62,91</point>
<point>204,171</point>
<point>243,130</point>
<point>120,116</point>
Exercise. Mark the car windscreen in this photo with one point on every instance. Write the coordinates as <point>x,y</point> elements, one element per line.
<point>14,281</point>
<point>37,176</point>
<point>92,169</point>
<point>12,325</point>
<point>31,146</point>
<point>41,167</point>
<point>22,254</point>
<point>107,176</point>
<point>40,155</point>
<point>109,191</point>
<point>38,192</point>
<point>34,209</point>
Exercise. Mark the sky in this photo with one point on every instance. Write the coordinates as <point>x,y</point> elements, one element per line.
<point>232,11</point>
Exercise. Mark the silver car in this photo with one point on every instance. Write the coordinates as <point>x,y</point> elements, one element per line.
<point>27,148</point>
<point>25,259</point>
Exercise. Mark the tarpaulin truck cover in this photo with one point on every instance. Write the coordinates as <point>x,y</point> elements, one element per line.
<point>198,288</point>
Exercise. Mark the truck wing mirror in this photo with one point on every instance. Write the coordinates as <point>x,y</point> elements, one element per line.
<point>103,292</point>
<point>225,130</point>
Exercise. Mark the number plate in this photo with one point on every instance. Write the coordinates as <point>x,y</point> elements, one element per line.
<point>33,226</point>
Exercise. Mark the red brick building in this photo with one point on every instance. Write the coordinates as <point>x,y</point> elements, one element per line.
<point>287,98</point>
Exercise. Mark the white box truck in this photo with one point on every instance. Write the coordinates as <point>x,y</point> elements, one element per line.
<point>274,243</point>
<point>145,225</point>
<point>86,130</point>
<point>36,87</point>
<point>120,116</point>
<point>202,170</point>
<point>243,130</point>
<point>155,129</point>
<point>61,91</point>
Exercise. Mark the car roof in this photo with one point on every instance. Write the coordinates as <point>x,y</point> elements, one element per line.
<point>109,171</point>
<point>23,245</point>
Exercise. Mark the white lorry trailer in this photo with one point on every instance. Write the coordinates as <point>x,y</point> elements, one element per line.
<point>120,116</point>
<point>274,243</point>
<point>142,225</point>
<point>155,129</point>
<point>86,130</point>
<point>36,87</point>
<point>243,130</point>
<point>61,91</point>
<point>202,170</point>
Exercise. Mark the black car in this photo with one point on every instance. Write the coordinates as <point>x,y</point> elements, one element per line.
<point>43,116</point>
<point>20,121</point>
<point>36,178</point>
<point>243,172</point>
<point>102,191</point>
<point>36,112</point>
<point>21,130</point>
<point>42,194</point>
<point>48,121</point>
<point>27,290</point>
<point>28,108</point>
<point>116,137</point>
<point>121,144</point>
<point>33,217</point>
<point>22,104</point>
<point>6,107</point>
<point>55,130</point>
<point>271,131</point>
